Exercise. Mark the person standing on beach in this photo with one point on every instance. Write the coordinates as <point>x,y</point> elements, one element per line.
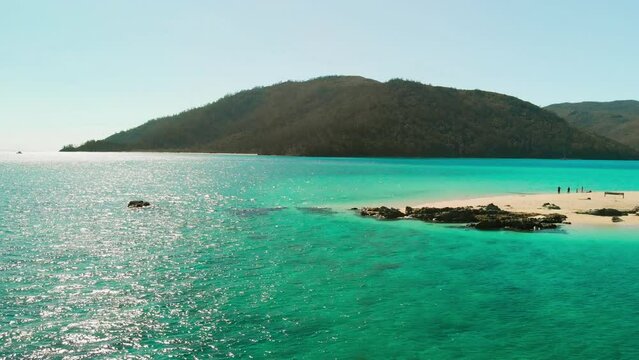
<point>568,190</point>
<point>558,189</point>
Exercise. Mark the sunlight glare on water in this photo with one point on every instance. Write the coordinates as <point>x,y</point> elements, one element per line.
<point>247,256</point>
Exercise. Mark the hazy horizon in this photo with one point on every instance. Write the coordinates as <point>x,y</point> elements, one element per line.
<point>86,70</point>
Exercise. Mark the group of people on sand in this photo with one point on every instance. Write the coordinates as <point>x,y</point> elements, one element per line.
<point>577,190</point>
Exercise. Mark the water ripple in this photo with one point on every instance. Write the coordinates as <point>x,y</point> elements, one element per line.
<point>251,257</point>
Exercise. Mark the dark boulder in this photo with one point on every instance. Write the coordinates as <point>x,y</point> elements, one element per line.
<point>521,224</point>
<point>553,219</point>
<point>488,224</point>
<point>606,212</point>
<point>514,223</point>
<point>448,214</point>
<point>529,224</point>
<point>551,206</point>
<point>383,213</point>
<point>456,216</point>
<point>616,219</point>
<point>425,213</point>
<point>138,204</point>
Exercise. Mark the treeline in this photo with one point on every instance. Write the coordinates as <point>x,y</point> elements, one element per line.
<point>617,120</point>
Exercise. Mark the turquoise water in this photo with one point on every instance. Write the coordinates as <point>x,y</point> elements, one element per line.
<point>235,260</point>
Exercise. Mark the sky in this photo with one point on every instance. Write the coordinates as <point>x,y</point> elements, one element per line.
<point>74,70</point>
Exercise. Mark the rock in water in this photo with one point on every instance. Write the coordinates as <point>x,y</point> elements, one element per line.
<point>138,204</point>
<point>518,222</point>
<point>490,224</point>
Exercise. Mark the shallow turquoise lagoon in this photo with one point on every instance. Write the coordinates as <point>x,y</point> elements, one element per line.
<point>239,257</point>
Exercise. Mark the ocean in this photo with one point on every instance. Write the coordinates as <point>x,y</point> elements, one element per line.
<point>260,257</point>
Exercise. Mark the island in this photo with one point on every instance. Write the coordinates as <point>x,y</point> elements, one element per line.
<point>352,116</point>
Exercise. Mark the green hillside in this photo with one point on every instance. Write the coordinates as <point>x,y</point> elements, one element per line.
<point>354,116</point>
<point>617,120</point>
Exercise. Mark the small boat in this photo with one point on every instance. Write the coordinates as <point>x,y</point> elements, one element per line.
<point>19,152</point>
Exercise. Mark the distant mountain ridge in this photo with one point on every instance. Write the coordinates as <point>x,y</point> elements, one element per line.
<point>355,116</point>
<point>617,120</point>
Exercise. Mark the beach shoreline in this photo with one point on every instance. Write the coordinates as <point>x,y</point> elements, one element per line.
<point>570,205</point>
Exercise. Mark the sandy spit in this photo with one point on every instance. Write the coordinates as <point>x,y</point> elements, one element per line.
<point>570,205</point>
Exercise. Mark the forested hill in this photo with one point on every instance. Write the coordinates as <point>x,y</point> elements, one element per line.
<point>354,116</point>
<point>617,120</point>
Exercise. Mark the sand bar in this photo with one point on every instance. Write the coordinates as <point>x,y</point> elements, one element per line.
<point>570,204</point>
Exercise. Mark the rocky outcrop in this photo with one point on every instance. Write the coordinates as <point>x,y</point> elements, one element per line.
<point>519,222</point>
<point>553,218</point>
<point>138,204</point>
<point>452,215</point>
<point>382,213</point>
<point>489,217</point>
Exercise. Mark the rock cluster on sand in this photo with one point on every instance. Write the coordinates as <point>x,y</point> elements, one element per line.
<point>607,212</point>
<point>489,217</point>
<point>597,210</point>
<point>551,206</point>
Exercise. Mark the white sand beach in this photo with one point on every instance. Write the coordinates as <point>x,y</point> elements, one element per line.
<point>569,205</point>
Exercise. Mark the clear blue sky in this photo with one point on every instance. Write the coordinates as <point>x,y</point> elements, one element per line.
<point>77,70</point>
